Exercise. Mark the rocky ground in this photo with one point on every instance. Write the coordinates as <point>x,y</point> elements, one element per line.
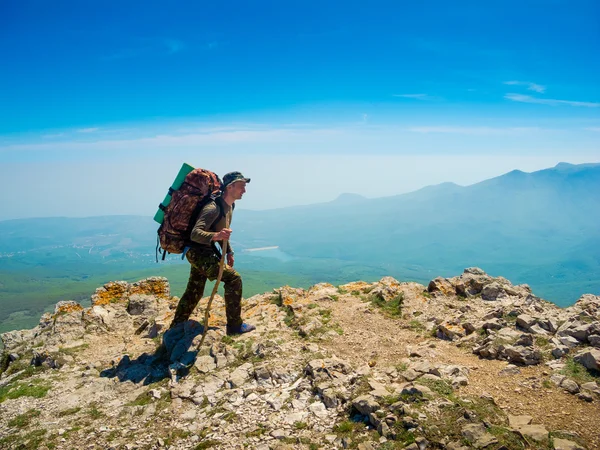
<point>466,362</point>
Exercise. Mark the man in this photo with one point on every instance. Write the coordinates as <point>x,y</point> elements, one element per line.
<point>210,228</point>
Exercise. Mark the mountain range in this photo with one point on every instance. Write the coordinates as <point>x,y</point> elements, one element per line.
<point>539,228</point>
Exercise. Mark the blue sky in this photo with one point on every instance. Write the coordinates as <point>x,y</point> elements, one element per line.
<point>296,93</point>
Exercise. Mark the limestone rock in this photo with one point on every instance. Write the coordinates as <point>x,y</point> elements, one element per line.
<point>564,444</point>
<point>519,421</point>
<point>590,359</point>
<point>535,432</point>
<point>365,404</point>
<point>478,436</point>
<point>441,285</point>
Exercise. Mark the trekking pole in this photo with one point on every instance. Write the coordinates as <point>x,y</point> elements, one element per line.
<point>214,291</point>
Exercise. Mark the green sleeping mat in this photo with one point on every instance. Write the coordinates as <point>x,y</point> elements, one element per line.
<point>185,169</point>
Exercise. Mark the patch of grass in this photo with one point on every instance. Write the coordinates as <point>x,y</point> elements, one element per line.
<point>75,429</point>
<point>94,412</point>
<point>73,350</point>
<point>312,305</point>
<point>402,435</point>
<point>389,399</point>
<point>578,372</point>
<point>34,440</point>
<point>542,342</point>
<point>415,325</point>
<point>337,328</point>
<point>401,367</point>
<point>325,315</point>
<point>392,308</point>
<point>507,437</point>
<point>142,400</point>
<point>426,294</point>
<point>4,361</point>
<point>440,387</point>
<point>289,318</point>
<point>230,417</point>
<point>37,389</point>
<point>258,431</point>
<point>344,427</point>
<point>334,297</point>
<point>300,425</point>
<point>227,340</point>
<point>547,384</point>
<point>277,299</point>
<point>244,350</point>
<point>24,420</point>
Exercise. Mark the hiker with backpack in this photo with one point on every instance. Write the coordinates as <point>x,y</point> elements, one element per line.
<point>209,226</point>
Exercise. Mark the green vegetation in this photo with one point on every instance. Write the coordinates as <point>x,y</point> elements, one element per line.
<point>415,325</point>
<point>69,412</point>
<point>94,412</point>
<point>142,400</point>
<point>578,372</point>
<point>24,420</point>
<point>440,387</point>
<point>73,350</point>
<point>35,388</point>
<point>391,308</point>
<point>258,431</point>
<point>300,425</point>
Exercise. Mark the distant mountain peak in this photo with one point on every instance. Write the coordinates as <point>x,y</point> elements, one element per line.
<point>349,198</point>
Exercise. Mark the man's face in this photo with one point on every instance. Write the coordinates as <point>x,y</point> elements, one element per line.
<point>238,189</point>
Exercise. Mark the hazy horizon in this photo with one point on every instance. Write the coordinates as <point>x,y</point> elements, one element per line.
<point>309,100</point>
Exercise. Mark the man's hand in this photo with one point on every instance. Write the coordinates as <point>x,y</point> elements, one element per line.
<point>230,259</point>
<point>222,235</point>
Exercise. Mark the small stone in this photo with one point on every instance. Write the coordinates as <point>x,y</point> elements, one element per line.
<point>519,421</point>
<point>585,396</point>
<point>570,386</point>
<point>564,444</point>
<point>535,432</point>
<point>279,434</point>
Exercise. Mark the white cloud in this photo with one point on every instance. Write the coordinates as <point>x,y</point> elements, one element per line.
<point>597,129</point>
<point>530,86</point>
<point>88,130</point>
<point>549,101</point>
<point>474,131</point>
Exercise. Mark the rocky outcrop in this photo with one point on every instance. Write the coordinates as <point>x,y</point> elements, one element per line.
<point>99,375</point>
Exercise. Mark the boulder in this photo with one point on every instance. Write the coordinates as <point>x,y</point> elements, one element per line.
<point>523,355</point>
<point>589,358</point>
<point>564,444</point>
<point>519,421</point>
<point>441,285</point>
<point>525,321</point>
<point>365,404</point>
<point>140,304</point>
<point>535,432</point>
<point>493,291</point>
<point>570,386</point>
<point>477,435</point>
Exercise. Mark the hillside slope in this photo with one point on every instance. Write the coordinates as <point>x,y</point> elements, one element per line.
<point>470,361</point>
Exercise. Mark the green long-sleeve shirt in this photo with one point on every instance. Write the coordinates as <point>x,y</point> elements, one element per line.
<point>208,224</point>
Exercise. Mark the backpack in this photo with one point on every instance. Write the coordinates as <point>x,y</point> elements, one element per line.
<point>200,187</point>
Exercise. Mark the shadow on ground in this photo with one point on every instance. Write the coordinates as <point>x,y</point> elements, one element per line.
<point>175,355</point>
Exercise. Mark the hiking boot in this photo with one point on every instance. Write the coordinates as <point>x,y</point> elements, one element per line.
<point>243,328</point>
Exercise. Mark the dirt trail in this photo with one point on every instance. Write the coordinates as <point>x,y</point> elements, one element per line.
<point>369,336</point>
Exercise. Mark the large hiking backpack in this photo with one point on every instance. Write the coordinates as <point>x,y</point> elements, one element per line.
<point>199,187</point>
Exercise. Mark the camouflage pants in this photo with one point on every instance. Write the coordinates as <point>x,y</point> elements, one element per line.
<point>205,267</point>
